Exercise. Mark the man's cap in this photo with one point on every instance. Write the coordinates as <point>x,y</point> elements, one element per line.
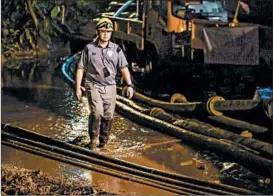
<point>105,24</point>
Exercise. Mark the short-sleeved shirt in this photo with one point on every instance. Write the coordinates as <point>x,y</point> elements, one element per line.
<point>94,59</point>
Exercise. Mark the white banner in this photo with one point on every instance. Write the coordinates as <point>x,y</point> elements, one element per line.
<point>237,45</point>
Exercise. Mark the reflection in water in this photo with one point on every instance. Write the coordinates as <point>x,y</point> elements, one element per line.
<point>73,173</point>
<point>48,106</point>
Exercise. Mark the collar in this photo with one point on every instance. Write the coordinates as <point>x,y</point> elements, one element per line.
<point>109,45</point>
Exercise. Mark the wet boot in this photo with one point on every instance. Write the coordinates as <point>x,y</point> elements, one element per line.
<point>93,129</point>
<point>105,129</point>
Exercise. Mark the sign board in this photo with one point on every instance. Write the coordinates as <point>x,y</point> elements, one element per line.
<point>236,46</point>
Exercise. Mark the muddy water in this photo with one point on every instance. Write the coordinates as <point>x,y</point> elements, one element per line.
<point>48,106</point>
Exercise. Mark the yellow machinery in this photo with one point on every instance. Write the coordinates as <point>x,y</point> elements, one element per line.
<point>159,29</point>
<point>195,35</point>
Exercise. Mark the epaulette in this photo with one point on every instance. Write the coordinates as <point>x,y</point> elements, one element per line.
<point>118,49</point>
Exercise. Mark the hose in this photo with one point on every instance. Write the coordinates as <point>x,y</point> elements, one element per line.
<point>19,132</point>
<point>85,165</point>
<point>205,129</point>
<point>249,160</point>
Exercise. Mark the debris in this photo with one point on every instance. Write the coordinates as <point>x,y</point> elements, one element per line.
<point>246,134</point>
<point>198,163</point>
<point>186,163</point>
<point>22,181</point>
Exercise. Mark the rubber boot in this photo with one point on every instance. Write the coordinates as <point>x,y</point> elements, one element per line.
<point>105,128</point>
<point>93,129</point>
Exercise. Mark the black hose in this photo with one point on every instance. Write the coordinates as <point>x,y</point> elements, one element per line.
<point>178,185</point>
<point>249,160</point>
<point>180,108</point>
<point>205,129</point>
<point>237,105</point>
<point>84,165</point>
<point>55,143</point>
<point>237,124</point>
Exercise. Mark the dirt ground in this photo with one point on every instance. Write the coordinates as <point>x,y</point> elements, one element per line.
<point>21,181</point>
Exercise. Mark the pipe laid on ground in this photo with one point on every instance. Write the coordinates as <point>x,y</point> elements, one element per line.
<point>198,107</point>
<point>189,107</point>
<point>265,149</point>
<point>220,106</point>
<point>84,165</point>
<point>237,105</point>
<point>168,182</point>
<point>249,160</point>
<point>37,137</point>
<point>216,106</point>
<point>238,124</point>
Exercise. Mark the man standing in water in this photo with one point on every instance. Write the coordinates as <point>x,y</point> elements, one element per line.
<point>100,60</point>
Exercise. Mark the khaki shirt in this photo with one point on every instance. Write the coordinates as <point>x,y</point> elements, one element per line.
<point>95,59</point>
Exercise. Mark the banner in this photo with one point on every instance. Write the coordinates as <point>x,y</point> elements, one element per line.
<point>236,46</point>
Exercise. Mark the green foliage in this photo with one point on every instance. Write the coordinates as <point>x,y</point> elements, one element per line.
<point>46,25</point>
<point>21,38</point>
<point>29,37</point>
<point>82,3</point>
<point>55,11</point>
<point>5,32</point>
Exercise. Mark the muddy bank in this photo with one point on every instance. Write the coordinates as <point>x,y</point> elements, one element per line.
<point>21,181</point>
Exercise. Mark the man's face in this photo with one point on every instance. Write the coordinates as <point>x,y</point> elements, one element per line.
<point>104,35</point>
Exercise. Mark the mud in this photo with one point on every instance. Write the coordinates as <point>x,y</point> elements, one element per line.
<point>21,181</point>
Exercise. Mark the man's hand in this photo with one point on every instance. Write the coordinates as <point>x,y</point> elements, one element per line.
<point>127,77</point>
<point>79,76</point>
<point>79,94</point>
<point>129,92</point>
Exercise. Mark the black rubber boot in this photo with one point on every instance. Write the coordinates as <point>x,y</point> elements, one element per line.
<point>92,144</point>
<point>93,126</point>
<point>105,128</point>
<point>93,130</point>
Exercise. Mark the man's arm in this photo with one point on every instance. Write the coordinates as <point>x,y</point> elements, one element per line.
<point>127,77</point>
<point>123,67</point>
<point>79,77</point>
<point>80,70</point>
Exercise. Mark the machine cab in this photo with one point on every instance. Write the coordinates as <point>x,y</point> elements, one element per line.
<point>212,10</point>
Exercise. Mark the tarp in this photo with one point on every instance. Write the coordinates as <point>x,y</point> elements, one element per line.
<point>197,40</point>
<point>236,46</point>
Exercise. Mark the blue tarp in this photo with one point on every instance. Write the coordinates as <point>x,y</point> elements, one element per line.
<point>265,93</point>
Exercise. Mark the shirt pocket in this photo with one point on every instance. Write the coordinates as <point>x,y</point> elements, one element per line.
<point>93,63</point>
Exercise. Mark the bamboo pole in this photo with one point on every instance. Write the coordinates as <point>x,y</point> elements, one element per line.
<point>32,13</point>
